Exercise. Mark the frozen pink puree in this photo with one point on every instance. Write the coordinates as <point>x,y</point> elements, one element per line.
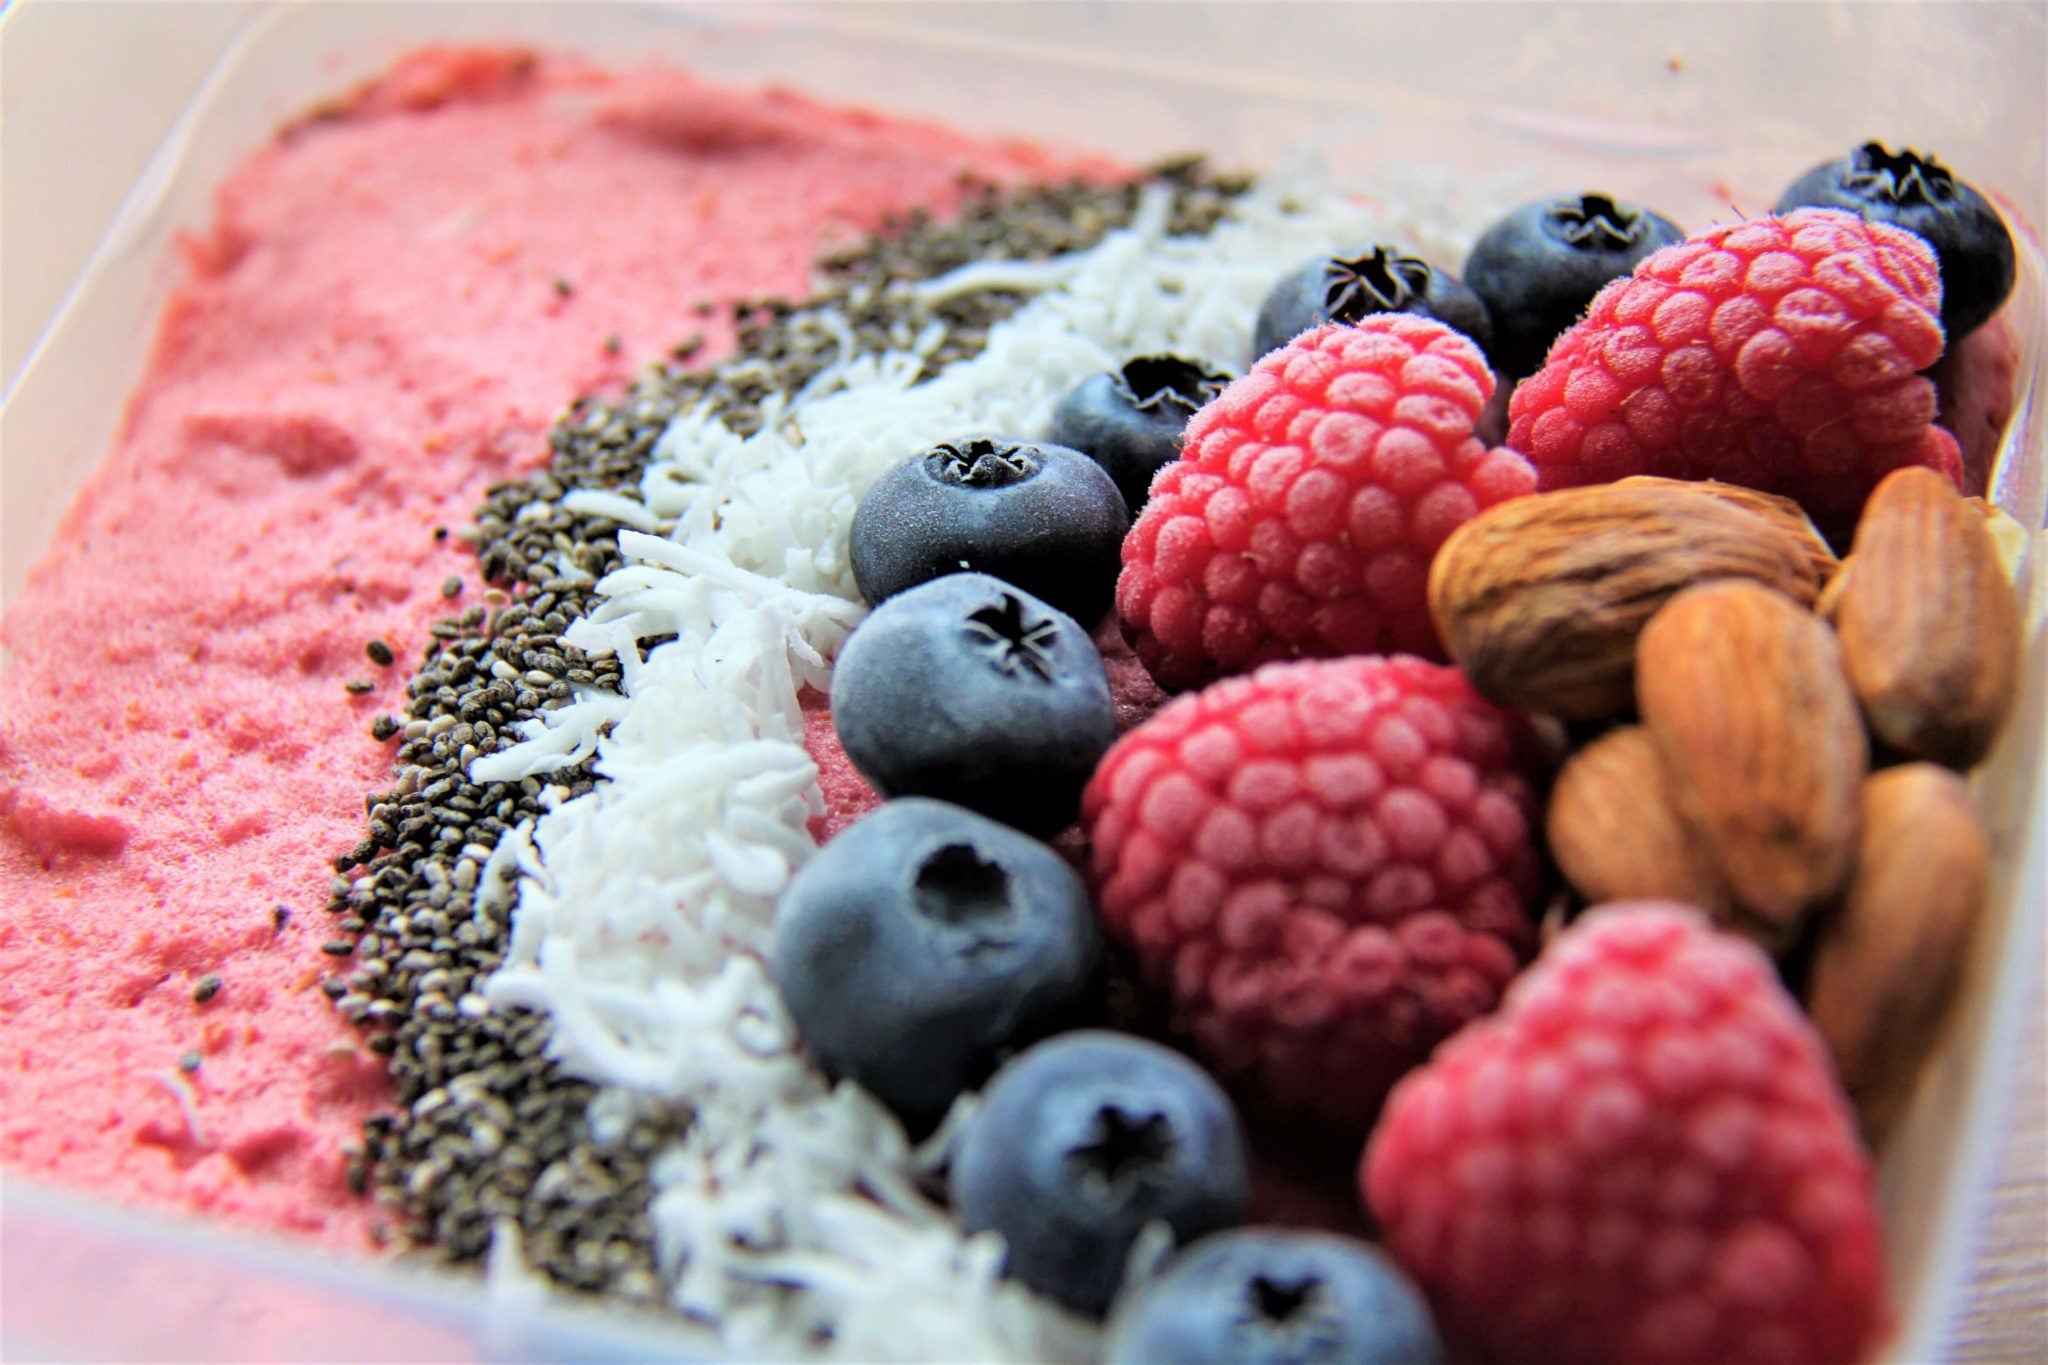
<point>370,335</point>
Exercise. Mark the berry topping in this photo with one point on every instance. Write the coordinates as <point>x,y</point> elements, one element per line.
<point>1643,1157</point>
<point>1538,268</point>
<point>1782,354</point>
<point>974,692</point>
<point>1348,289</point>
<point>1301,518</point>
<point>924,945</point>
<point>1082,1142</point>
<point>1326,867</point>
<point>1129,421</point>
<point>1918,193</point>
<point>1260,1296</point>
<point>1043,517</point>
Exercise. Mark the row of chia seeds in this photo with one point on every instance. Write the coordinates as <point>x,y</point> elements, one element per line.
<point>488,1129</point>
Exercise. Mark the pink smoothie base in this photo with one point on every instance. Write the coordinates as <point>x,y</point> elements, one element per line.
<point>370,334</point>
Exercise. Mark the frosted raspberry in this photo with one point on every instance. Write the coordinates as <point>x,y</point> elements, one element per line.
<point>1780,353</point>
<point>1643,1157</point>
<point>1325,866</point>
<point>1308,501</point>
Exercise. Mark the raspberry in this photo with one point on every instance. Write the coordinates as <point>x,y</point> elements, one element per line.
<point>1325,866</point>
<point>1309,498</point>
<point>1643,1157</point>
<point>1782,353</point>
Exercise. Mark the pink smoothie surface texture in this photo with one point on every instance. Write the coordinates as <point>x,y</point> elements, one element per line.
<point>397,297</point>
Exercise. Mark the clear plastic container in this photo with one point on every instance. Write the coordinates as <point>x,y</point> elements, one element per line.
<point>1701,109</point>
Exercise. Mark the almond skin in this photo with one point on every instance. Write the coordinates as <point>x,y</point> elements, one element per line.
<point>1886,964</point>
<point>1786,514</point>
<point>1540,599</point>
<point>1745,695</point>
<point>1616,832</point>
<point>1930,623</point>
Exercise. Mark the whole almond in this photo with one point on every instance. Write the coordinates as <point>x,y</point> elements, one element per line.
<point>1744,694</point>
<point>1540,599</point>
<point>1616,832</point>
<point>1886,964</point>
<point>1930,624</point>
<point>1786,514</point>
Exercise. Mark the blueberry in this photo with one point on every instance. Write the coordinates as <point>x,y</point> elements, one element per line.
<point>1262,1296</point>
<point>1540,266</point>
<point>1040,516</point>
<point>1920,194</point>
<point>1130,420</point>
<point>972,691</point>
<point>1084,1140</point>
<point>1345,289</point>
<point>926,943</point>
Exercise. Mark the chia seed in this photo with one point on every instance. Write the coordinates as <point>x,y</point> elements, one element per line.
<point>487,1127</point>
<point>208,987</point>
<point>358,686</point>
<point>380,653</point>
<point>189,1063</point>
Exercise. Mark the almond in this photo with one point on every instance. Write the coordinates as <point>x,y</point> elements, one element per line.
<point>1930,623</point>
<point>1616,832</point>
<point>1886,964</point>
<point>1786,514</point>
<point>1540,599</point>
<point>1745,695</point>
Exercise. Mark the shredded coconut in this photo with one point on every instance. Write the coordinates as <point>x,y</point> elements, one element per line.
<point>790,1216</point>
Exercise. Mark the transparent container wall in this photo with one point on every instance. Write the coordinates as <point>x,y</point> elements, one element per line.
<point>84,1283</point>
<point>1702,110</point>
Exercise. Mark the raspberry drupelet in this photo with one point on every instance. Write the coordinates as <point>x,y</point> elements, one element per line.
<point>1783,354</point>
<point>1309,498</point>
<point>1643,1157</point>
<point>1326,867</point>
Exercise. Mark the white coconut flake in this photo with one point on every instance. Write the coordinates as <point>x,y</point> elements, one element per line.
<point>789,1216</point>
<point>595,502</point>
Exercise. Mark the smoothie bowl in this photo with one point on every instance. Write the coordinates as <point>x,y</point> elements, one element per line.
<point>403,841</point>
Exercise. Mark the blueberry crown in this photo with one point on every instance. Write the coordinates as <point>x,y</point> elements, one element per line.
<point>1162,383</point>
<point>1016,642</point>
<point>981,463</point>
<point>958,887</point>
<point>1122,1152</point>
<point>1277,1301</point>
<point>1384,282</point>
<point>1596,222</point>
<point>1904,178</point>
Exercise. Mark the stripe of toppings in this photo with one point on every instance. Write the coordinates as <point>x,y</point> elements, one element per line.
<point>492,1135</point>
<point>784,1212</point>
